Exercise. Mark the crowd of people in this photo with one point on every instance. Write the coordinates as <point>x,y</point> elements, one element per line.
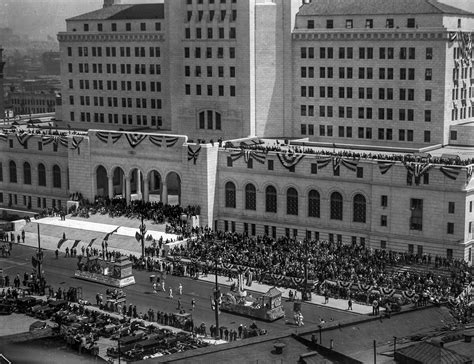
<point>328,261</point>
<point>157,212</point>
<point>300,148</point>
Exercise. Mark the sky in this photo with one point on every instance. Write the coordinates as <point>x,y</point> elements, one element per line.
<point>41,18</point>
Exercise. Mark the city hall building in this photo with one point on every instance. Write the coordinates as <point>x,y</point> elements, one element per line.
<point>344,121</point>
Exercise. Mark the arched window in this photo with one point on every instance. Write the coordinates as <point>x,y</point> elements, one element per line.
<point>314,204</point>
<point>336,206</point>
<point>26,173</point>
<point>56,176</point>
<point>229,195</point>
<point>250,197</point>
<point>270,199</point>
<point>359,208</point>
<point>41,175</point>
<point>291,201</point>
<point>13,178</point>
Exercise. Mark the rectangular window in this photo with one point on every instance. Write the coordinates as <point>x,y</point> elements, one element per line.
<point>360,172</point>
<point>349,23</point>
<point>451,207</point>
<point>450,228</point>
<point>270,165</point>
<point>383,220</point>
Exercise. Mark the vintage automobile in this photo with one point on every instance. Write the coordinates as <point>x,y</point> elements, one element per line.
<point>6,309</point>
<point>26,303</point>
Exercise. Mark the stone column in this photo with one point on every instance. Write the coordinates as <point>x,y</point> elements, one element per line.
<point>146,190</point>
<point>111,186</point>
<point>139,183</point>
<point>127,189</point>
<point>164,193</point>
<point>123,186</point>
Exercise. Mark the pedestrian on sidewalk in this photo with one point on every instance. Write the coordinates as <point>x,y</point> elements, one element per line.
<point>67,251</point>
<point>23,236</point>
<point>171,293</point>
<point>18,238</point>
<point>193,303</point>
<point>349,304</point>
<point>56,253</point>
<point>64,236</point>
<point>326,296</point>
<point>179,304</point>
<point>163,285</point>
<point>180,289</point>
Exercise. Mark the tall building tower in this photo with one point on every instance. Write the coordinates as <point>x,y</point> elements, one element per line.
<point>382,72</point>
<point>206,68</point>
<point>2,91</point>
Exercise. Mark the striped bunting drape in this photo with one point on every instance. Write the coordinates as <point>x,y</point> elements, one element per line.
<point>103,136</point>
<point>61,242</point>
<point>384,166</point>
<point>159,140</point>
<point>322,162</point>
<point>289,160</point>
<point>417,169</point>
<point>350,163</point>
<point>76,142</point>
<point>450,171</point>
<point>134,138</point>
<point>23,138</point>
<point>3,137</point>
<point>115,137</point>
<point>193,154</point>
<point>171,141</point>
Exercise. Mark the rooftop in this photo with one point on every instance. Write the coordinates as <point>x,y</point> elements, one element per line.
<point>125,12</point>
<point>378,7</point>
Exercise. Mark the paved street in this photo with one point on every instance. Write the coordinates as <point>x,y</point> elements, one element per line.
<point>59,273</point>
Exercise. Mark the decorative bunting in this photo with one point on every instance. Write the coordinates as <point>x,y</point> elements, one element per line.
<point>350,163</point>
<point>387,291</point>
<point>336,163</point>
<point>3,137</point>
<point>115,137</point>
<point>322,162</point>
<point>76,243</point>
<point>236,155</point>
<point>61,242</point>
<point>103,136</point>
<point>450,171</point>
<point>91,242</point>
<point>48,139</point>
<point>417,170</point>
<point>193,154</point>
<point>289,160</point>
<point>64,141</point>
<point>157,140</point>
<point>134,138</point>
<point>298,282</point>
<point>384,166</point>
<point>23,138</point>
<point>453,36</point>
<point>76,142</point>
<point>171,141</point>
<point>227,266</point>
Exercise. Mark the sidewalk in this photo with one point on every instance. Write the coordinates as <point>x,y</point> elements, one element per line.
<point>338,304</point>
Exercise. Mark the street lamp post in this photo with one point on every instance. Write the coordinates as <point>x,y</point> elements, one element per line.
<point>142,233</point>
<point>216,294</point>
<point>305,295</point>
<point>39,261</point>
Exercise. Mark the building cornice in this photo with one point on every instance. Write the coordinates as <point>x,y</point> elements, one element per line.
<point>115,37</point>
<point>380,34</point>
